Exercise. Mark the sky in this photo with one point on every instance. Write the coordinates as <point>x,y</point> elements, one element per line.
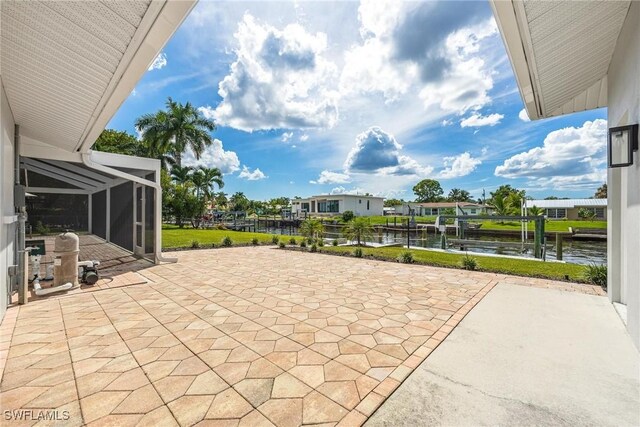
<point>321,97</point>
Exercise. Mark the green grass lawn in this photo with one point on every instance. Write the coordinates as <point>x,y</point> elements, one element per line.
<point>174,237</point>
<point>549,226</point>
<point>547,270</point>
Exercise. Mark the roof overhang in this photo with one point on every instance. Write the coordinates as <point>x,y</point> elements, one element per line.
<point>68,66</point>
<point>560,51</point>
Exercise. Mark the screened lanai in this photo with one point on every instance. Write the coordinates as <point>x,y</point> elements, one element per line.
<point>114,200</point>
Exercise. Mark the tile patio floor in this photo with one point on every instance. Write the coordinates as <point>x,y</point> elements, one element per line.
<point>239,336</point>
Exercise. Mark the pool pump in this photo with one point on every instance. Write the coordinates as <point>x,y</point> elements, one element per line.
<point>88,272</point>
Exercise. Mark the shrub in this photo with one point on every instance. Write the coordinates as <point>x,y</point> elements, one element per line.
<point>335,242</point>
<point>313,248</point>
<point>347,216</point>
<point>406,257</point>
<point>310,240</point>
<point>275,240</point>
<point>358,252</point>
<point>469,263</point>
<point>303,243</point>
<point>320,242</point>
<point>585,213</point>
<point>226,242</point>
<point>292,241</point>
<point>596,275</point>
<point>282,245</point>
<point>255,241</point>
<point>41,228</point>
<point>195,244</point>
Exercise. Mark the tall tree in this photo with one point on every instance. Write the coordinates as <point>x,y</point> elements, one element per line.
<point>181,174</point>
<point>507,190</point>
<point>176,128</point>
<point>458,195</point>
<point>393,202</point>
<point>205,179</point>
<point>119,142</point>
<point>428,190</point>
<point>239,202</point>
<point>601,192</point>
<point>220,200</point>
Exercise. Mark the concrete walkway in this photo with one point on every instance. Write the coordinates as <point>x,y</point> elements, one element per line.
<point>525,356</point>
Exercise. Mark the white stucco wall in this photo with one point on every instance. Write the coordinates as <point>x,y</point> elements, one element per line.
<point>360,209</point>
<point>7,231</point>
<point>624,183</point>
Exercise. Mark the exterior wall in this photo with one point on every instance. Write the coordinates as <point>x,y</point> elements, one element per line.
<point>359,205</point>
<point>345,203</point>
<point>623,243</point>
<point>7,229</point>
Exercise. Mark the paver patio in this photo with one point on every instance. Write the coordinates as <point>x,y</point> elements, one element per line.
<point>239,336</point>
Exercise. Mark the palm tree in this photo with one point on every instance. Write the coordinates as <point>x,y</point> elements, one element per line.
<point>221,200</point>
<point>312,228</point>
<point>173,130</point>
<point>210,178</point>
<point>535,211</point>
<point>358,229</point>
<point>181,174</point>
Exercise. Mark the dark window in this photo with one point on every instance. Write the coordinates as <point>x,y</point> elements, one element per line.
<point>328,206</point>
<point>367,204</point>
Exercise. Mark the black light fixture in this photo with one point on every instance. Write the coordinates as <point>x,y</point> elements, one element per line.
<point>623,141</point>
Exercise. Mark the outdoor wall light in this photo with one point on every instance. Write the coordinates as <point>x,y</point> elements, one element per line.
<point>623,141</point>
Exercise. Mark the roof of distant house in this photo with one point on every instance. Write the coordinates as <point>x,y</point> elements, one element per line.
<point>445,204</point>
<point>328,196</point>
<point>567,203</point>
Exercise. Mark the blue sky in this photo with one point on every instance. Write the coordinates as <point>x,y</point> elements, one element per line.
<point>370,96</point>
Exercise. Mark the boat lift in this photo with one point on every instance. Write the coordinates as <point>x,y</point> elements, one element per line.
<point>462,221</point>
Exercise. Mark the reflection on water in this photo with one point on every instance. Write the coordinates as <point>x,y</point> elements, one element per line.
<point>574,251</point>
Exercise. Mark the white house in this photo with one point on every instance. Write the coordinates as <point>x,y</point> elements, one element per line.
<point>439,208</point>
<point>339,203</point>
<point>570,208</point>
<point>576,56</point>
<point>65,69</point>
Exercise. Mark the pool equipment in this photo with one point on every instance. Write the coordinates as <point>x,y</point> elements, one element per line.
<point>88,272</point>
<point>65,262</point>
<point>66,268</point>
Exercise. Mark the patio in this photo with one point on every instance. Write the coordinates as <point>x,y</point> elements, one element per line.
<point>239,336</point>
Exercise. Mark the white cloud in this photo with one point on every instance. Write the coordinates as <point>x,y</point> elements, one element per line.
<point>458,166</point>
<point>524,116</point>
<point>278,80</point>
<point>342,190</point>
<point>377,151</point>
<point>328,177</point>
<point>427,48</point>
<point>478,120</point>
<point>569,158</point>
<point>304,137</point>
<point>447,122</point>
<point>159,62</point>
<point>286,136</point>
<point>256,175</point>
<point>213,156</point>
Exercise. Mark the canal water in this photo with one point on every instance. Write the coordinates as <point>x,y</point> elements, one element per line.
<point>574,251</point>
